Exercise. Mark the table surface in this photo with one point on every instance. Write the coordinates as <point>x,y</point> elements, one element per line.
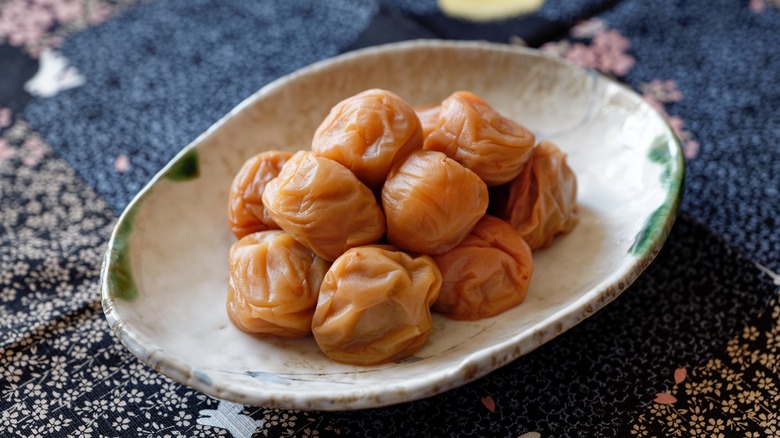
<point>97,95</point>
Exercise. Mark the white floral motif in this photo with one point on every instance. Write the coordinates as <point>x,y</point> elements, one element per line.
<point>228,416</point>
<point>61,372</point>
<point>53,76</point>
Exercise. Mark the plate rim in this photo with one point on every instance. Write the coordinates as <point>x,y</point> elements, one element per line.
<point>420,387</point>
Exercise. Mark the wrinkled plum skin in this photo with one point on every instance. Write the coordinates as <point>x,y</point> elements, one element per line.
<point>369,133</point>
<point>274,284</point>
<point>422,180</point>
<point>472,133</point>
<point>246,214</point>
<point>374,305</point>
<point>429,118</point>
<point>487,274</point>
<point>542,201</point>
<point>323,205</point>
<point>431,203</point>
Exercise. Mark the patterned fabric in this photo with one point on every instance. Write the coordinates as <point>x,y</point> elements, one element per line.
<point>96,95</point>
<point>131,73</point>
<point>734,394</point>
<point>728,78</point>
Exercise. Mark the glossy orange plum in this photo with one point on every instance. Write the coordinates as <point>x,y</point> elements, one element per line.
<point>432,202</point>
<point>542,201</point>
<point>374,305</point>
<point>323,205</point>
<point>369,133</point>
<point>274,284</point>
<point>246,213</point>
<point>474,134</point>
<point>429,118</point>
<point>487,274</point>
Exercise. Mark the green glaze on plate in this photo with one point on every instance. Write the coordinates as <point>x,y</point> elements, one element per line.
<point>666,152</point>
<point>120,274</point>
<point>185,168</point>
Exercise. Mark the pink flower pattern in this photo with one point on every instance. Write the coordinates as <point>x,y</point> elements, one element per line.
<point>489,403</point>
<point>663,91</point>
<point>34,151</point>
<point>23,23</point>
<point>20,145</point>
<point>611,41</point>
<point>5,117</point>
<point>663,398</point>
<point>122,163</point>
<point>6,151</point>
<point>583,55</point>
<point>607,53</point>
<point>758,6</point>
<point>39,24</point>
<point>657,93</point>
<point>680,374</point>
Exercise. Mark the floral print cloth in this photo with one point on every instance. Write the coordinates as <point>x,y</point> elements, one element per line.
<point>97,95</point>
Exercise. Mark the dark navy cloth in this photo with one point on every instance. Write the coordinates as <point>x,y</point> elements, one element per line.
<point>725,61</point>
<point>162,73</point>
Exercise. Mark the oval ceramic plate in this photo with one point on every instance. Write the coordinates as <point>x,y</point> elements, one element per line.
<point>165,275</point>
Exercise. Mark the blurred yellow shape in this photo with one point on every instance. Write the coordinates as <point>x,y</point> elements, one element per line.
<point>487,10</point>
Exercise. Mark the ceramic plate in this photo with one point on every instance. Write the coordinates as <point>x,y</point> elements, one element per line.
<point>164,279</point>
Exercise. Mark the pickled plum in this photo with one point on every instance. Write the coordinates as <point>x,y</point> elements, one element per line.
<point>541,202</point>
<point>369,133</point>
<point>429,118</point>
<point>374,305</point>
<point>274,284</point>
<point>246,213</point>
<point>487,274</point>
<point>431,203</point>
<point>323,205</point>
<point>474,134</point>
<point>308,260</point>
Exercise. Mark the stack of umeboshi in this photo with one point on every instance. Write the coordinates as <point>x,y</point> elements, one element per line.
<point>385,219</point>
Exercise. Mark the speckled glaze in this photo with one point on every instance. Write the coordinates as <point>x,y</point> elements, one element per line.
<point>164,279</point>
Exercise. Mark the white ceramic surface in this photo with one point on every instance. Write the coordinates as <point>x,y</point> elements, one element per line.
<point>164,278</point>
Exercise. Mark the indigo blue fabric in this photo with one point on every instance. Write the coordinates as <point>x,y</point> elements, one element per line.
<point>725,61</point>
<point>162,73</point>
